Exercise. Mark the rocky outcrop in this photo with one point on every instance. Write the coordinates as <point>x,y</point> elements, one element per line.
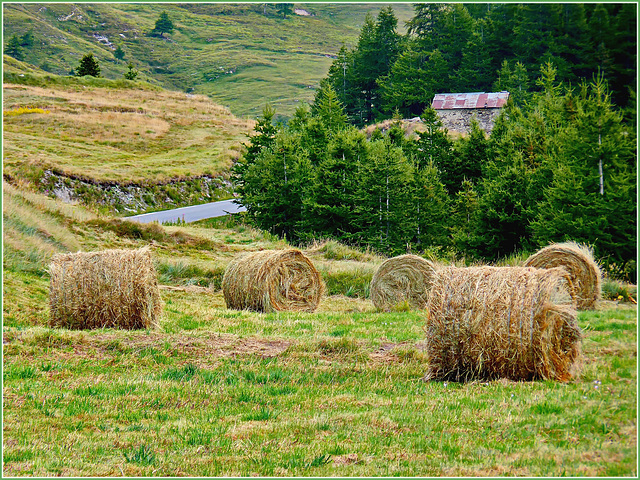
<point>134,197</point>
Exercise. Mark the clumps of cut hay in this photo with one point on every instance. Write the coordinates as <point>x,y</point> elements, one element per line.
<point>578,261</point>
<point>272,280</point>
<point>512,322</point>
<point>106,289</point>
<point>402,280</point>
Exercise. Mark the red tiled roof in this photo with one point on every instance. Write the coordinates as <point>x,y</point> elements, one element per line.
<point>446,101</point>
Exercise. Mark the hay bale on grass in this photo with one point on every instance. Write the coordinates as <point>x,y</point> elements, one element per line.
<point>578,261</point>
<point>272,280</point>
<point>405,279</point>
<point>514,322</point>
<point>107,289</point>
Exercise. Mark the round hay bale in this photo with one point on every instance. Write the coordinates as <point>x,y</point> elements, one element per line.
<point>405,279</point>
<point>511,322</point>
<point>272,280</point>
<point>106,289</point>
<point>578,261</point>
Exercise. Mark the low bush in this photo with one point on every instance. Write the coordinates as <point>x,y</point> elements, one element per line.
<point>614,290</point>
<point>153,231</point>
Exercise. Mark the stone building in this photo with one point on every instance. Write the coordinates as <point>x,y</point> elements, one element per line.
<point>456,110</point>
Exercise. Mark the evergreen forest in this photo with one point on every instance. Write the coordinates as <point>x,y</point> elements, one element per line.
<point>560,163</point>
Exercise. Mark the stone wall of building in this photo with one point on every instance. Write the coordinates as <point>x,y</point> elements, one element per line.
<point>459,119</point>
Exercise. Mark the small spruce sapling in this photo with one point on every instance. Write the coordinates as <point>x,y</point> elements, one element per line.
<point>119,53</point>
<point>132,73</point>
<point>88,66</point>
<point>163,25</point>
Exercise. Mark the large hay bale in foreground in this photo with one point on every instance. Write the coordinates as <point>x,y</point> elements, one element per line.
<point>578,261</point>
<point>107,289</point>
<point>272,280</point>
<point>512,322</point>
<point>405,279</point>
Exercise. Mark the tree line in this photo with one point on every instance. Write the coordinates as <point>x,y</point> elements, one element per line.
<point>482,47</point>
<point>560,167</point>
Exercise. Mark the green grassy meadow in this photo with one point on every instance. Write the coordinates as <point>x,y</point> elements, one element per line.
<point>217,392</point>
<point>226,51</point>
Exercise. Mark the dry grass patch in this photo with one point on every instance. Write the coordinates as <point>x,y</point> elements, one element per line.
<point>128,134</point>
<point>29,222</point>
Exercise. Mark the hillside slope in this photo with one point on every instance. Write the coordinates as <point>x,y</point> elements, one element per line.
<point>237,54</point>
<point>119,145</point>
<point>100,131</point>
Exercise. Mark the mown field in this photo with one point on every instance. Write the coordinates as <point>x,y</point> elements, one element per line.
<point>215,392</point>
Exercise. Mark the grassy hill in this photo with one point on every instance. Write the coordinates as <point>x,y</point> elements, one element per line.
<point>216,392</point>
<point>119,131</point>
<point>235,54</point>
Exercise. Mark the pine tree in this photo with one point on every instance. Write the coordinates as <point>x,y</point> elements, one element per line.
<point>383,217</point>
<point>532,32</point>
<point>413,80</point>
<point>430,208</point>
<point>522,154</point>
<point>571,39</point>
<point>300,118</point>
<point>340,76</point>
<point>433,144</point>
<point>315,137</point>
<point>332,203</point>
<point>475,72</point>
<point>13,49</point>
<point>427,23</point>
<point>274,186</point>
<point>265,132</point>
<point>466,163</point>
<point>456,32</point>
<point>504,211</point>
<point>600,35</point>
<point>515,81</point>
<point>27,40</point>
<point>163,25</point>
<point>464,218</point>
<point>119,53</point>
<point>387,40</point>
<point>376,51</point>
<point>591,198</point>
<point>284,9</point>
<point>328,108</point>
<point>131,73</point>
<point>88,66</point>
<point>623,75</point>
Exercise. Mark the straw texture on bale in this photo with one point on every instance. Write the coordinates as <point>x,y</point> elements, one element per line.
<point>512,322</point>
<point>106,289</point>
<point>402,279</point>
<point>578,261</point>
<point>272,280</point>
